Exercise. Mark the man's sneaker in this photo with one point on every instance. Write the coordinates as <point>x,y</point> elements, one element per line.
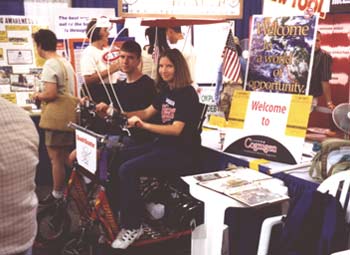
<point>48,200</point>
<point>126,237</point>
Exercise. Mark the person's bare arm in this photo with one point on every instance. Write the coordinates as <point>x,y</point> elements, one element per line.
<point>328,94</point>
<point>96,77</point>
<point>144,114</point>
<point>174,129</point>
<point>49,93</point>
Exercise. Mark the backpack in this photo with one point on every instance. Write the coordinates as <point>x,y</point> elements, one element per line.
<point>315,224</point>
<point>333,157</point>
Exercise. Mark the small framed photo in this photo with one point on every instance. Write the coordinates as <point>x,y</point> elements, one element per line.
<point>22,82</point>
<point>19,57</point>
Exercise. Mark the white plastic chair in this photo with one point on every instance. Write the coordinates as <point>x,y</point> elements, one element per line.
<point>336,185</point>
<point>346,252</point>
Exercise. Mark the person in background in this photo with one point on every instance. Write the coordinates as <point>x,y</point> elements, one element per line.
<point>94,66</point>
<point>18,201</point>
<point>174,153</point>
<point>321,74</point>
<point>156,37</point>
<point>177,41</point>
<point>57,72</point>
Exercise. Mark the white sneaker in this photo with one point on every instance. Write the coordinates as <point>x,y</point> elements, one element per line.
<point>126,237</point>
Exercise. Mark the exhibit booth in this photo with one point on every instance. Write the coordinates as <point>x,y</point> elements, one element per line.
<point>268,120</point>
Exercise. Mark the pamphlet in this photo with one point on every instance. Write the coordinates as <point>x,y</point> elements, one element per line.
<point>255,195</point>
<point>246,185</point>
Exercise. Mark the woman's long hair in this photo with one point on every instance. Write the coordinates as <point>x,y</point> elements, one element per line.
<point>182,76</point>
<point>161,39</point>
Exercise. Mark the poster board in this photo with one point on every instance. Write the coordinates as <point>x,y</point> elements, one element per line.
<point>214,9</point>
<point>72,22</point>
<point>281,54</point>
<point>268,125</point>
<point>16,44</point>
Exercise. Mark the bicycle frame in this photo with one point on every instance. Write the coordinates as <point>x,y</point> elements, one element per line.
<point>99,209</point>
<point>93,205</point>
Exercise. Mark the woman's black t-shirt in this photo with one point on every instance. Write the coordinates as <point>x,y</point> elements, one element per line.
<point>180,105</point>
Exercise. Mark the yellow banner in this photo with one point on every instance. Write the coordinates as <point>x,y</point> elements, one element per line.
<point>298,117</point>
<point>254,164</point>
<point>238,109</point>
<point>217,121</point>
<point>10,96</point>
<point>3,36</point>
<point>17,27</point>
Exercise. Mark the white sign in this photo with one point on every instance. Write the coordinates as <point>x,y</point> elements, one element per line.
<point>268,125</point>
<point>207,96</point>
<point>86,150</point>
<point>72,22</point>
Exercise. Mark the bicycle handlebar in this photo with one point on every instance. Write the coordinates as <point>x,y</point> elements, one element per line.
<point>101,138</point>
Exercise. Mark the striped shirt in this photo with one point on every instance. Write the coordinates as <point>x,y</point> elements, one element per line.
<point>19,142</point>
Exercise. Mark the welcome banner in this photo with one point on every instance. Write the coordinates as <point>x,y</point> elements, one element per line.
<point>281,54</point>
<point>268,125</point>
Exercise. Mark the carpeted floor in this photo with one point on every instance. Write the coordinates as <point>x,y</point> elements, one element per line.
<point>178,246</point>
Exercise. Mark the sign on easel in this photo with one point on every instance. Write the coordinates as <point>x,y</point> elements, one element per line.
<point>86,150</point>
<point>268,125</point>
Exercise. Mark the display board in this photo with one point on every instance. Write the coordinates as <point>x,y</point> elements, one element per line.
<point>281,54</point>
<point>229,9</point>
<point>268,125</point>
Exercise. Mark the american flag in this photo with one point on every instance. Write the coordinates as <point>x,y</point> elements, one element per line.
<point>231,66</point>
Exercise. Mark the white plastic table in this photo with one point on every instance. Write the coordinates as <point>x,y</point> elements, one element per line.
<point>207,238</point>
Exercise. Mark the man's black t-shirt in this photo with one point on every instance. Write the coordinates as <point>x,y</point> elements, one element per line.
<point>180,105</point>
<point>136,96</point>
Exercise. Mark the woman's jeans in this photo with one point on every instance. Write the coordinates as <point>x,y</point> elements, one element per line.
<point>146,160</point>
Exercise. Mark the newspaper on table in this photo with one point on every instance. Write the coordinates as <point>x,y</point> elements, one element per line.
<point>246,185</point>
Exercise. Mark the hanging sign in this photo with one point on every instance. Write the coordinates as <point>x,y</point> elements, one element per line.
<point>268,125</point>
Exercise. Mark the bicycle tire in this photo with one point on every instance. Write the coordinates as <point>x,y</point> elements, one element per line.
<point>53,224</point>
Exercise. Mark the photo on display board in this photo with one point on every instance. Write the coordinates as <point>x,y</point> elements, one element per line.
<point>19,57</point>
<point>37,71</point>
<point>22,82</point>
<point>5,72</point>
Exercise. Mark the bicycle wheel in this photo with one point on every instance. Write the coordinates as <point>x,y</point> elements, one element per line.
<point>53,223</point>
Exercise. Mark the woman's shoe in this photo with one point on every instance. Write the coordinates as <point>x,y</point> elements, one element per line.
<point>127,237</point>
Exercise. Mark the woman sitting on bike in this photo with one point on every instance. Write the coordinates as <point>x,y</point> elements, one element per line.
<point>174,153</point>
